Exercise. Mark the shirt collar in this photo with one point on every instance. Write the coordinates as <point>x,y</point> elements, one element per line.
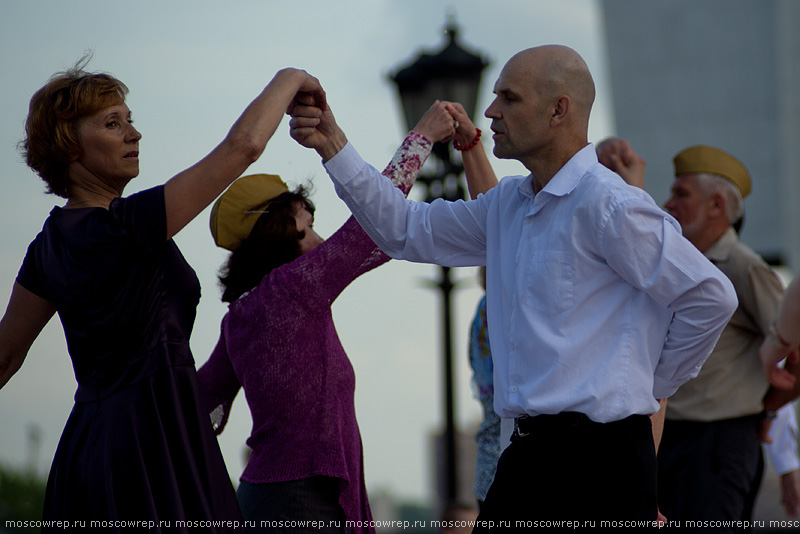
<point>721,250</point>
<point>567,177</point>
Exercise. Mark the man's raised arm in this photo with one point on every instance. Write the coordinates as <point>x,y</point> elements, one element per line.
<point>444,233</point>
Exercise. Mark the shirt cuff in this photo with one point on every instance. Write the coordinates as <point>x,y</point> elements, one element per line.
<point>345,165</point>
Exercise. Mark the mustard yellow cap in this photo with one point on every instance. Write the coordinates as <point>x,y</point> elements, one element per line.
<point>705,159</point>
<point>236,211</point>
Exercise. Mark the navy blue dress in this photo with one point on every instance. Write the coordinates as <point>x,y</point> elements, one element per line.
<point>137,445</point>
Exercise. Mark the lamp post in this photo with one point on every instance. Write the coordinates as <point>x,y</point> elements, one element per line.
<point>452,74</point>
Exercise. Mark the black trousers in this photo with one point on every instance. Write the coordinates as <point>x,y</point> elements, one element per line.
<point>710,470</point>
<point>569,468</point>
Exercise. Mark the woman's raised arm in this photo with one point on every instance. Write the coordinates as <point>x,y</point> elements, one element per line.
<point>190,191</point>
<point>479,172</point>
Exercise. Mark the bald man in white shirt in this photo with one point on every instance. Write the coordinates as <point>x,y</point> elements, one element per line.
<point>598,306</point>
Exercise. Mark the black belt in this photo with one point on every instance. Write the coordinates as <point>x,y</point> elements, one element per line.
<point>526,424</point>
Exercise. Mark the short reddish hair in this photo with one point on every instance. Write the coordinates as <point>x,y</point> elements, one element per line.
<point>51,130</point>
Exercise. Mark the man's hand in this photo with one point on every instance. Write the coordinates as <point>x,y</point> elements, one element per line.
<point>661,519</point>
<point>617,155</point>
<point>309,88</point>
<point>316,128</point>
<point>764,426</point>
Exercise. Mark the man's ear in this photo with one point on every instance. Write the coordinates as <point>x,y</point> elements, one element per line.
<point>717,203</point>
<point>560,110</point>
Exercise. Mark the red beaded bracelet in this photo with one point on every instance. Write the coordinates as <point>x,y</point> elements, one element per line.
<point>472,144</point>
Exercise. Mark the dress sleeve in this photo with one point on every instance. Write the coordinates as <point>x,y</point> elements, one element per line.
<point>322,274</point>
<point>219,384</point>
<point>131,227</point>
<point>28,275</point>
<point>406,163</point>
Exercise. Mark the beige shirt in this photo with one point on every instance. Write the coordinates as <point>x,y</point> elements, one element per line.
<point>731,382</point>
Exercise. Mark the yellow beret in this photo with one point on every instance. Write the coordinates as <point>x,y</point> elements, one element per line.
<point>705,159</point>
<point>236,211</point>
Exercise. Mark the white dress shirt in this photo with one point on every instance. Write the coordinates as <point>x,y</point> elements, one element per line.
<point>598,305</point>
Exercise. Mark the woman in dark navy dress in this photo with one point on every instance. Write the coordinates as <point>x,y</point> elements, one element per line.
<point>137,445</point>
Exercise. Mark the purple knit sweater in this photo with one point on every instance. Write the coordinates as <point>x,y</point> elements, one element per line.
<point>279,343</point>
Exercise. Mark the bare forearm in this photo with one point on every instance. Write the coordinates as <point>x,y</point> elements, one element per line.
<point>480,175</point>
<point>789,315</point>
<point>192,190</point>
<point>790,492</point>
<point>782,343</point>
<point>25,317</point>
<point>657,420</point>
<point>256,125</point>
<point>479,172</point>
<point>333,145</point>
<point>10,362</point>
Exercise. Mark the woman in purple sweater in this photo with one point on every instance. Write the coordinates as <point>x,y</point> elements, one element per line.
<point>278,342</point>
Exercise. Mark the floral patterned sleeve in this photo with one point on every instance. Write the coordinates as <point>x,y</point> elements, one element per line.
<point>408,160</point>
<point>318,277</point>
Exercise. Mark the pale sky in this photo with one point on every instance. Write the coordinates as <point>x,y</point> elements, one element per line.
<point>192,67</point>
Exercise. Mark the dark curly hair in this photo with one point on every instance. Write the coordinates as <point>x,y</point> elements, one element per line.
<point>274,241</point>
<point>51,129</point>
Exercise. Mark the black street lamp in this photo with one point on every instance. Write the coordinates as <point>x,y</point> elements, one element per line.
<point>452,74</point>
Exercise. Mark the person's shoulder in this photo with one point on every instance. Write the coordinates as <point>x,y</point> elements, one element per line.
<point>750,274</point>
<point>744,255</point>
<point>601,184</point>
<point>605,179</point>
<point>48,225</point>
<point>140,218</point>
<point>151,199</point>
